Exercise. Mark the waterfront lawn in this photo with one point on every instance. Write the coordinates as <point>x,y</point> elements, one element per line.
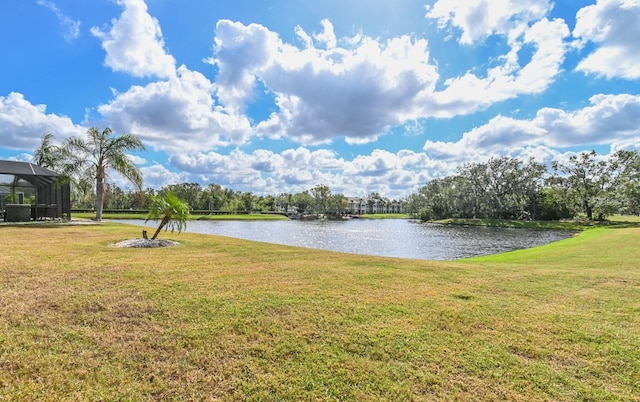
<point>222,318</point>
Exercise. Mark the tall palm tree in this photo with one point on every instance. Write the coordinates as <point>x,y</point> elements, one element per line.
<point>101,152</point>
<point>172,212</point>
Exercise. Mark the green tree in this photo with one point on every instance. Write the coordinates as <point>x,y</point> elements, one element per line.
<point>439,197</point>
<point>48,154</point>
<point>189,192</point>
<point>247,201</point>
<point>172,212</point>
<point>283,201</point>
<point>320,195</point>
<point>116,198</point>
<point>591,184</point>
<point>582,178</point>
<point>302,201</point>
<point>267,203</point>
<point>415,203</point>
<point>211,198</point>
<point>550,206</point>
<point>101,152</point>
<point>337,205</point>
<point>503,187</point>
<point>617,193</point>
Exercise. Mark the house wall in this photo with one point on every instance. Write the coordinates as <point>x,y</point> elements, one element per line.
<point>360,206</point>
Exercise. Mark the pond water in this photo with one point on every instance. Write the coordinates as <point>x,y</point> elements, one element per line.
<point>384,237</point>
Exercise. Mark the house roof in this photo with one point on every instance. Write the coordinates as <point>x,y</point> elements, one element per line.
<point>34,174</point>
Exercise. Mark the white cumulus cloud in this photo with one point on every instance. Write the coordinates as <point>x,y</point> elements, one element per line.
<point>357,91</point>
<point>134,44</point>
<point>176,115</point>
<point>609,120</point>
<point>614,27</point>
<point>479,19</point>
<point>511,77</point>
<point>158,176</point>
<point>22,124</point>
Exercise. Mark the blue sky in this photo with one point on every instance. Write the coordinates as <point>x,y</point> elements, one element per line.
<point>360,95</point>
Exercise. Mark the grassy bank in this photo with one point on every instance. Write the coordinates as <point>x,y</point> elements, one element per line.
<point>384,216</point>
<point>572,225</point>
<point>220,217</point>
<point>230,319</point>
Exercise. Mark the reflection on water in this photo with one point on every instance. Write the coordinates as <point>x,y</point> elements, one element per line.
<point>385,237</point>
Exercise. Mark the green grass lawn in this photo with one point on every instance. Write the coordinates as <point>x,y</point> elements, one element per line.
<point>228,319</point>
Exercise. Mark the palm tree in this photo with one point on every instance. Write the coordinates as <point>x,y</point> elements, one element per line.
<point>47,154</point>
<point>101,152</point>
<point>172,212</point>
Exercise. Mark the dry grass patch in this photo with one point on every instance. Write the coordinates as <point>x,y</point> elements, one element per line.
<point>219,318</point>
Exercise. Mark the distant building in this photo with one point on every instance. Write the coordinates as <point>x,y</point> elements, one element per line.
<point>361,206</point>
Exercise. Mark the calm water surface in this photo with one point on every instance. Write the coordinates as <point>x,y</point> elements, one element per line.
<point>385,237</point>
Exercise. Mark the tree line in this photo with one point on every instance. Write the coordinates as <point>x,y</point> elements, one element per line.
<point>501,188</point>
<point>318,200</point>
<point>508,188</point>
<point>87,162</point>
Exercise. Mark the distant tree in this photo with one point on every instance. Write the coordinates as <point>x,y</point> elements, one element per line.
<point>101,152</point>
<point>145,197</point>
<point>623,183</point>
<point>628,188</point>
<point>596,186</point>
<point>337,204</point>
<point>374,201</point>
<point>499,188</point>
<point>82,193</point>
<point>551,206</point>
<point>503,187</point>
<point>116,198</point>
<point>303,201</point>
<point>267,203</point>
<point>211,198</point>
<point>172,212</point>
<point>320,195</point>
<point>582,178</point>
<point>415,203</point>
<point>440,196</point>
<point>189,192</point>
<point>283,201</point>
<point>247,201</point>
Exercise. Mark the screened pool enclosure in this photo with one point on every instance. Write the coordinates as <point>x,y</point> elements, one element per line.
<point>31,192</point>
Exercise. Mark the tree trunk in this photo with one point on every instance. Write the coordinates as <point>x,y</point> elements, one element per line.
<point>588,211</point>
<point>162,224</point>
<point>99,197</point>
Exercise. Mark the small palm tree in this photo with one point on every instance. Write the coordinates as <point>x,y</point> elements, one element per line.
<point>172,212</point>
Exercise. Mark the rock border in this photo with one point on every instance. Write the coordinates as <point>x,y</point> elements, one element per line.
<point>145,243</point>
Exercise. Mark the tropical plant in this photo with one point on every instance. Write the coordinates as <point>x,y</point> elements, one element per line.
<point>172,212</point>
<point>101,152</point>
<point>48,154</point>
